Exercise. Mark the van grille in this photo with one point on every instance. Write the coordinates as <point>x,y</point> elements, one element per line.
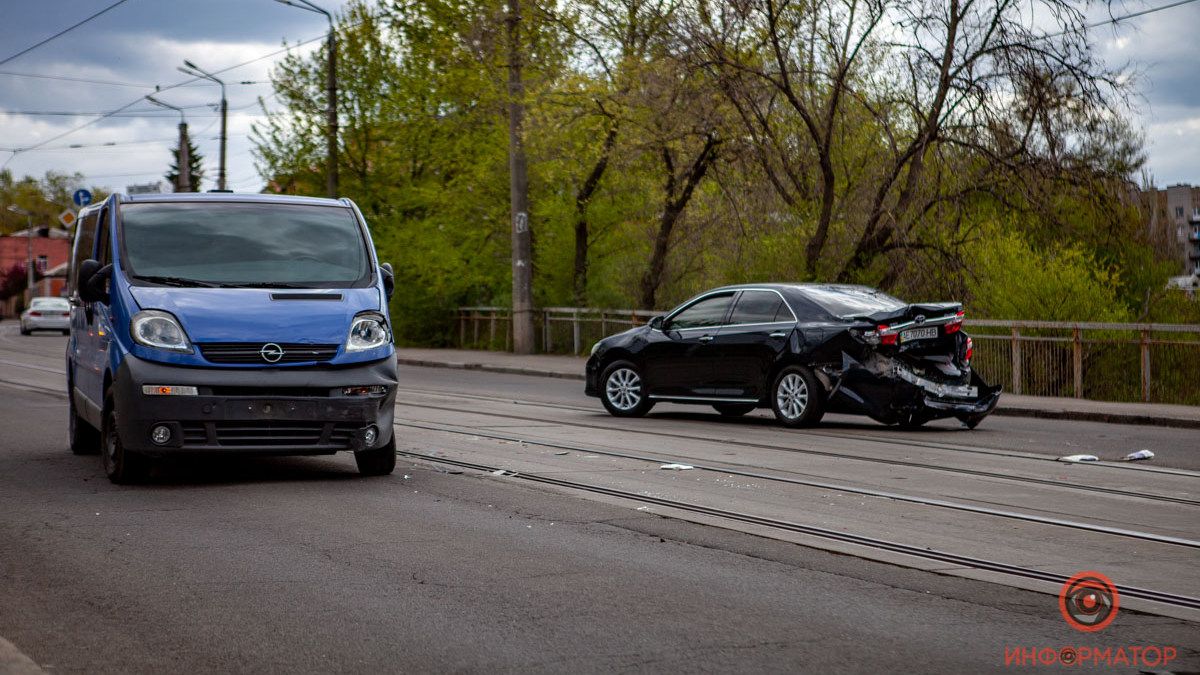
<point>251,352</point>
<point>269,433</point>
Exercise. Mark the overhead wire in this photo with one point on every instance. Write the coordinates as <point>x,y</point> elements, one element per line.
<point>62,32</point>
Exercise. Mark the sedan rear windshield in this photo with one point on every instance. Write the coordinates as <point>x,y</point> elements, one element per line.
<point>244,244</point>
<point>58,303</point>
<point>852,300</point>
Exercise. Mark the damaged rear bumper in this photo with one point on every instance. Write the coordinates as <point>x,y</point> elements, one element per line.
<point>898,395</point>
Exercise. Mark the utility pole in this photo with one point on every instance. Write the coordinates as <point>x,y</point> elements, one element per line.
<point>331,120</point>
<point>518,184</point>
<point>183,179</point>
<point>195,71</point>
<point>28,250</point>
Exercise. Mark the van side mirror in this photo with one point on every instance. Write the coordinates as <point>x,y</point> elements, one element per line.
<point>389,279</point>
<point>92,281</point>
<point>657,322</point>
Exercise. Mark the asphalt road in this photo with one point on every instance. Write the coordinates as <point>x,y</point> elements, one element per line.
<point>298,564</point>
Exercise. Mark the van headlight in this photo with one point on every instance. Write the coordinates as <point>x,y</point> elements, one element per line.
<point>154,328</point>
<point>367,331</point>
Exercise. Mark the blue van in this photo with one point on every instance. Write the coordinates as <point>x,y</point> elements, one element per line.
<point>223,323</point>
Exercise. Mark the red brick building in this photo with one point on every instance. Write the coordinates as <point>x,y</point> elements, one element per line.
<point>48,253</point>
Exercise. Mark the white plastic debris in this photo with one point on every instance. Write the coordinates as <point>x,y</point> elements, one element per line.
<point>677,467</point>
<point>1139,455</point>
<point>500,472</point>
<point>1079,458</point>
<point>564,452</point>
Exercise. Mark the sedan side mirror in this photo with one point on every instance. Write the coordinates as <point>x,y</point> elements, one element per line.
<point>657,322</point>
<point>389,279</point>
<point>92,282</point>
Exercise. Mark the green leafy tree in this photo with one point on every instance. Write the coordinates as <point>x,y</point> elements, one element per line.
<point>195,167</point>
<point>44,197</point>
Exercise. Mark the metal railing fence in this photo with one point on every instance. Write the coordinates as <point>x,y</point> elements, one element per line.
<point>1100,361</point>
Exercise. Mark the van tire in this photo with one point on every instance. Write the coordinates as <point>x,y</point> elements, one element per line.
<point>83,437</point>
<point>123,467</point>
<point>377,462</point>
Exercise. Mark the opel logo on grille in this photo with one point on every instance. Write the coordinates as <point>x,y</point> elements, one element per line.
<point>271,352</point>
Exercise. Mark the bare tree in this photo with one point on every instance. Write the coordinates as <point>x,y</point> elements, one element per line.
<point>890,116</point>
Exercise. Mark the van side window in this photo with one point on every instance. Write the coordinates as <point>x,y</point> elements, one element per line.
<point>85,241</point>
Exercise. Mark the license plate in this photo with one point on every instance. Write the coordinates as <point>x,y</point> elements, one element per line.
<point>918,334</point>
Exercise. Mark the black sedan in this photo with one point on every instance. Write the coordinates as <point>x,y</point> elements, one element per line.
<point>800,349</point>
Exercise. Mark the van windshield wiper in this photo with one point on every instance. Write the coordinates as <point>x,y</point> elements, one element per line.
<point>263,284</point>
<point>176,281</point>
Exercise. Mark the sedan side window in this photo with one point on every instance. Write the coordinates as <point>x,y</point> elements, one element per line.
<point>707,312</point>
<point>760,307</point>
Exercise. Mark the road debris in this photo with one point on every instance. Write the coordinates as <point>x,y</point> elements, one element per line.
<point>503,472</point>
<point>564,452</point>
<point>677,467</point>
<point>1138,455</point>
<point>1079,458</point>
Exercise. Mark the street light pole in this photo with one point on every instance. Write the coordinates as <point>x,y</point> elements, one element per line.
<point>196,71</point>
<point>183,179</point>
<point>331,121</point>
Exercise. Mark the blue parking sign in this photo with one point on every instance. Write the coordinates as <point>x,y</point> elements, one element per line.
<point>82,197</point>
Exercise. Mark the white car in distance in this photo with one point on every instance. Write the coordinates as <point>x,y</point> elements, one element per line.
<point>47,313</point>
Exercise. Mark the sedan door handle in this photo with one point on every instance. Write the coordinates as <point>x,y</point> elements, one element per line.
<point>706,338</point>
<point>778,333</point>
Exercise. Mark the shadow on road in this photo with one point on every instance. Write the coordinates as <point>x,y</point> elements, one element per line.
<point>936,427</point>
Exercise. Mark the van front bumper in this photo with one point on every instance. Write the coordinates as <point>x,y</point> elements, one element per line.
<point>282,411</point>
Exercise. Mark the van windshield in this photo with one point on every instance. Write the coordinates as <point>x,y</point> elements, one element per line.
<point>243,244</point>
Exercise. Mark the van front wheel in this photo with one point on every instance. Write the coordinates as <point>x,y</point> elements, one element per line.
<point>120,465</point>
<point>377,462</point>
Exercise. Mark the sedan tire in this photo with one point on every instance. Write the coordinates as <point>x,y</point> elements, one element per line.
<point>622,390</point>
<point>797,398</point>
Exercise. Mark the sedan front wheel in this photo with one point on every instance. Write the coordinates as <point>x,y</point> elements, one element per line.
<point>622,390</point>
<point>796,397</point>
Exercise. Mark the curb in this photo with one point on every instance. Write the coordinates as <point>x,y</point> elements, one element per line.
<point>509,370</point>
<point>1108,418</point>
<point>1073,415</point>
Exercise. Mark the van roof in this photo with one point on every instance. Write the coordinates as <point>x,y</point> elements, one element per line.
<point>232,197</point>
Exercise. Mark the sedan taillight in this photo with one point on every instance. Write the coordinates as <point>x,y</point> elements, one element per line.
<point>886,336</point>
<point>969,352</point>
<point>35,314</point>
<point>956,324</point>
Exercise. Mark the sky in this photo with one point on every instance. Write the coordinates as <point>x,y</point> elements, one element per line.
<point>125,52</point>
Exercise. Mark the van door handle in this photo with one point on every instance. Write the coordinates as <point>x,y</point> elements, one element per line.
<point>778,333</point>
<point>706,338</point>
